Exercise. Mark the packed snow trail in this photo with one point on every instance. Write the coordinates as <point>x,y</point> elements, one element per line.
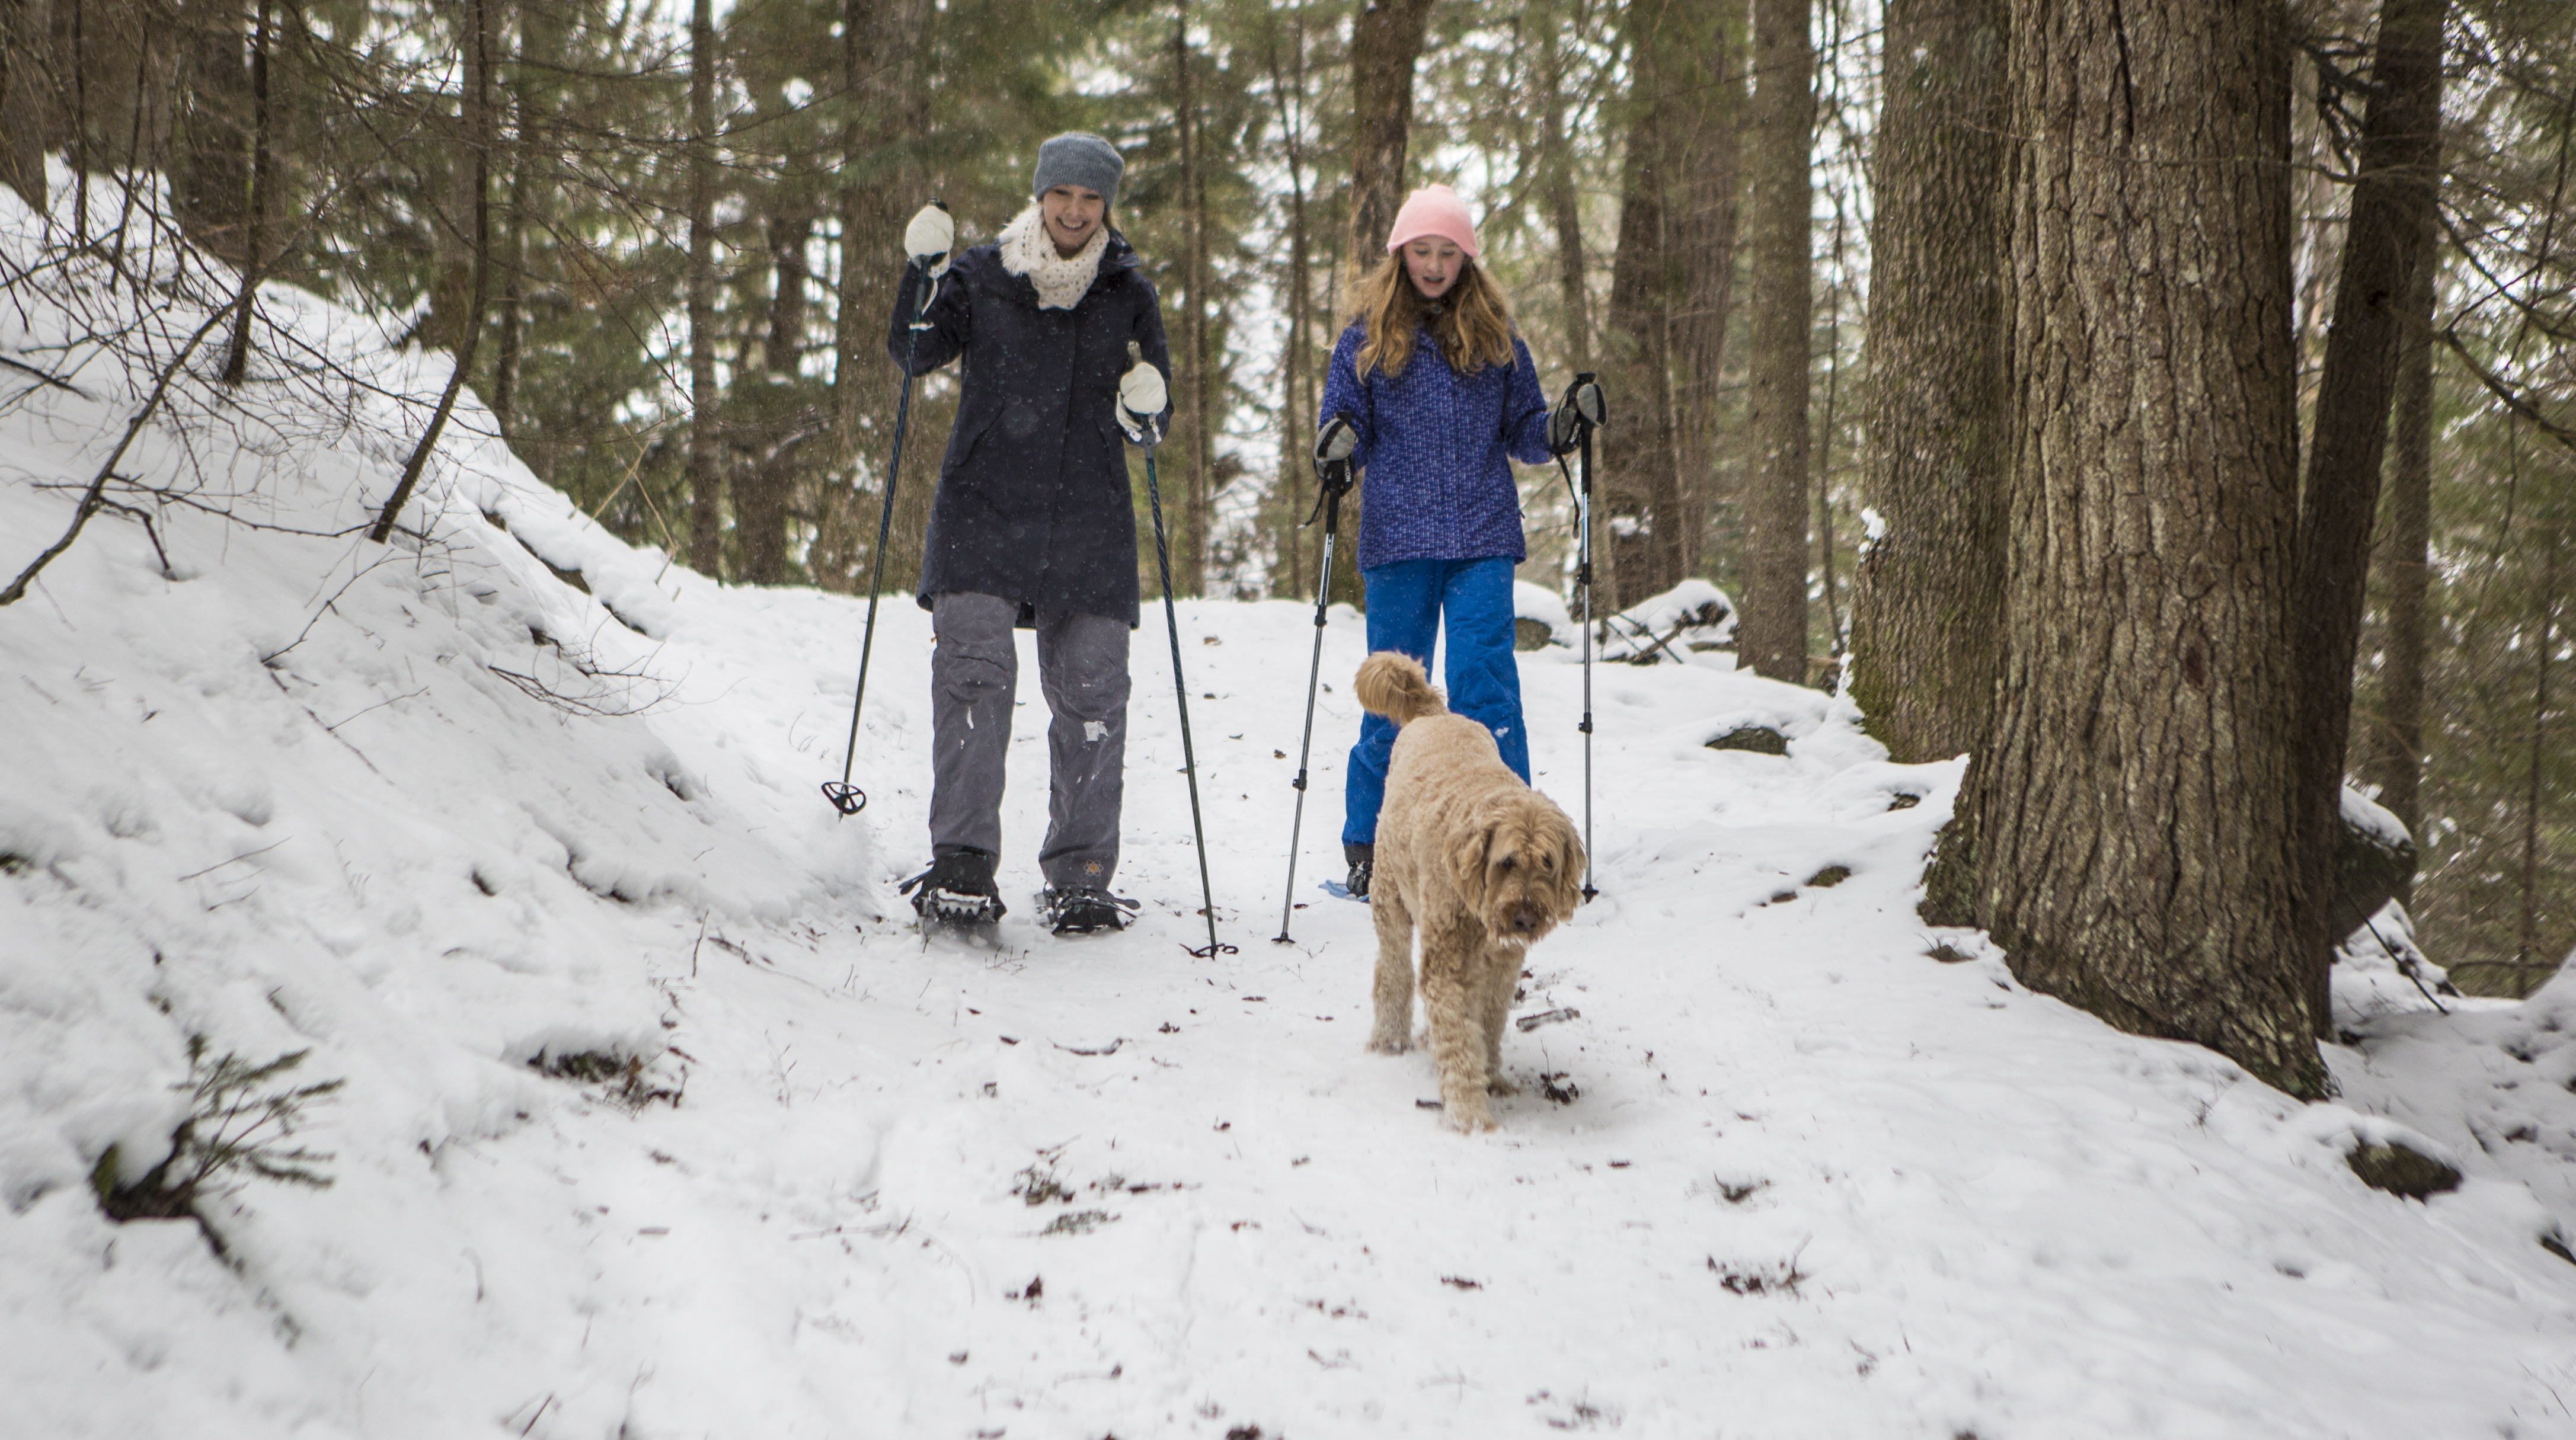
<point>1781,1172</point>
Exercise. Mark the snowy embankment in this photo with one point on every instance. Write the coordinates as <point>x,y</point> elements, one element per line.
<point>1776,1169</point>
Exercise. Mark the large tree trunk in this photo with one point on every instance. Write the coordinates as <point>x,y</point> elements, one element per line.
<point>706,474</point>
<point>2405,563</point>
<point>2388,241</point>
<point>1636,477</point>
<point>1706,179</point>
<point>881,184</point>
<point>1199,449</point>
<point>2134,814</point>
<point>1386,40</point>
<point>764,488</point>
<point>30,115</point>
<point>1927,611</point>
<point>1772,633</point>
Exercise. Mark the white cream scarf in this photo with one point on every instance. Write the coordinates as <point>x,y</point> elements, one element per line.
<point>1060,280</point>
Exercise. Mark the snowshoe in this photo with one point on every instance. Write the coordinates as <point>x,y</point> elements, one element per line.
<point>956,895</point>
<point>1363,863</point>
<point>1081,909</point>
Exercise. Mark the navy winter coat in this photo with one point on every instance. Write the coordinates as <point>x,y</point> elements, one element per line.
<point>1033,502</point>
<point>1432,451</point>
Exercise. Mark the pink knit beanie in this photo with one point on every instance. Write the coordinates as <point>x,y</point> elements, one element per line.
<point>1433,210</point>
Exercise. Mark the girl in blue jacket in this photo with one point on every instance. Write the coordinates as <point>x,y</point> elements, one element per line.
<point>1439,396</point>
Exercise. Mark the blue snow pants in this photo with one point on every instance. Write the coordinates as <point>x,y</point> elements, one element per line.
<point>1406,604</point>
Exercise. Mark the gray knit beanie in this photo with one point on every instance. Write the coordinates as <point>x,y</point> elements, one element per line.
<point>1075,158</point>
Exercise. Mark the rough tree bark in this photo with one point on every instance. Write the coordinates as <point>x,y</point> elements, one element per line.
<point>1636,478</point>
<point>2405,566</point>
<point>1771,635</point>
<point>1386,40</point>
<point>881,183</point>
<point>1707,181</point>
<point>1928,603</point>
<point>2388,240</point>
<point>706,474</point>
<point>764,488</point>
<point>1199,447</point>
<point>2134,812</point>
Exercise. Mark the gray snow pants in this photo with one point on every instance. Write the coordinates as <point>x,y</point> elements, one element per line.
<point>974,672</point>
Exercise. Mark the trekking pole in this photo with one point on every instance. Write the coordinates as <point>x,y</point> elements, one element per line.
<point>1336,478</point>
<point>1585,396</point>
<point>847,798</point>
<point>1172,623</point>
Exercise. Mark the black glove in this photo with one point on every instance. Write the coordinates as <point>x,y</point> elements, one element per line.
<point>1334,445</point>
<point>1580,409</point>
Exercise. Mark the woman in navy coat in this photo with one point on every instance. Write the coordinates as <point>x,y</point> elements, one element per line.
<point>1033,525</point>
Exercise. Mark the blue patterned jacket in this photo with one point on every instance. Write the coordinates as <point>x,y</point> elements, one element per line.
<point>1435,451</point>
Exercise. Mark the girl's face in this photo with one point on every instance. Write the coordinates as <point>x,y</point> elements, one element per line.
<point>1073,213</point>
<point>1432,264</point>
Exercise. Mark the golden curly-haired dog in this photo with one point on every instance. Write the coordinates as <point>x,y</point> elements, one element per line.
<point>1479,862</point>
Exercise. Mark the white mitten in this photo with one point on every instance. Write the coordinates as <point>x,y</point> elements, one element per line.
<point>930,236</point>
<point>1141,395</point>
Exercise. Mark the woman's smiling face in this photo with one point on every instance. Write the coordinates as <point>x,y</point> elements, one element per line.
<point>1433,265</point>
<point>1073,213</point>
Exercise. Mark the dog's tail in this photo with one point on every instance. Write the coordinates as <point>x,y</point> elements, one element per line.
<point>1391,683</point>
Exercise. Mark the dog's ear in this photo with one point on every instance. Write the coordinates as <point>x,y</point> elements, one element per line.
<point>1467,851</point>
<point>1569,866</point>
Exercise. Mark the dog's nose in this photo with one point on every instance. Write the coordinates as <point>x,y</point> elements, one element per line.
<point>1524,919</point>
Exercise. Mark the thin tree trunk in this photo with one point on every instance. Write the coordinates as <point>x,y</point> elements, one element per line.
<point>706,475</point>
<point>1296,426</point>
<point>212,183</point>
<point>514,256</point>
<point>1564,207</point>
<point>1772,633</point>
<point>479,135</point>
<point>764,489</point>
<point>27,105</point>
<point>2406,565</point>
<point>2527,953</point>
<point>2389,239</point>
<point>1928,601</point>
<point>237,361</point>
<point>2135,820</point>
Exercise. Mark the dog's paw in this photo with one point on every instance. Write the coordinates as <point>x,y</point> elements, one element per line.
<point>1467,1119</point>
<point>1384,1044</point>
<point>1500,1086</point>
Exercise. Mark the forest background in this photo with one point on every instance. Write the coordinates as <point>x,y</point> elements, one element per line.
<point>663,241</point>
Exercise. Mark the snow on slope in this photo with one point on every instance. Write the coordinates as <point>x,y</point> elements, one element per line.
<point>1783,1174</point>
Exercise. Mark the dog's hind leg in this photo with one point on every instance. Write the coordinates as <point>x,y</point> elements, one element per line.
<point>1393,987</point>
<point>1502,973</point>
<point>1452,995</point>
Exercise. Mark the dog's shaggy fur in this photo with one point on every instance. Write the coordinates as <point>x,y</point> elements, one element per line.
<point>1479,862</point>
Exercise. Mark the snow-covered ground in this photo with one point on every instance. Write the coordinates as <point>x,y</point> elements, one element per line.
<point>1777,1170</point>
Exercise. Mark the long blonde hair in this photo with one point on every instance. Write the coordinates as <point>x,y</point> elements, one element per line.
<point>1470,322</point>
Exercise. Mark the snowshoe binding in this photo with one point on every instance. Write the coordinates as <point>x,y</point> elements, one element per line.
<point>1082,909</point>
<point>957,896</point>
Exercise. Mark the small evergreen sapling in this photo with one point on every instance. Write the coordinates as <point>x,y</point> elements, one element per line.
<point>241,1121</point>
